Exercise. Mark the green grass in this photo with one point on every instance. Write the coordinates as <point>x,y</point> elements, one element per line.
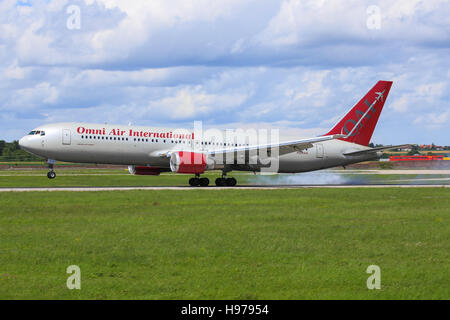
<point>118,177</point>
<point>98,178</point>
<point>232,244</point>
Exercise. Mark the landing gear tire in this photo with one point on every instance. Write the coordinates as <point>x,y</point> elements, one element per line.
<point>194,182</point>
<point>221,182</point>
<point>51,175</point>
<point>231,182</point>
<point>204,182</point>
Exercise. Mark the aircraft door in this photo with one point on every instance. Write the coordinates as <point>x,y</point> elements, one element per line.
<point>319,151</point>
<point>66,138</point>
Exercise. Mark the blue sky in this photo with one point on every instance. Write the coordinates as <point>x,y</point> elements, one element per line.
<point>297,65</point>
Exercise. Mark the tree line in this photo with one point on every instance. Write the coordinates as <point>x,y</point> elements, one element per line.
<point>10,152</point>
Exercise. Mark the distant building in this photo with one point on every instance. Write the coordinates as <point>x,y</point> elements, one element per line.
<point>432,146</point>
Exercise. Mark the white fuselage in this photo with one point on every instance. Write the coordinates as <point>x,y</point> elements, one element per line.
<point>130,145</point>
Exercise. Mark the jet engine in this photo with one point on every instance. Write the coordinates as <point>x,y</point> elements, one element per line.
<point>190,162</point>
<point>144,170</point>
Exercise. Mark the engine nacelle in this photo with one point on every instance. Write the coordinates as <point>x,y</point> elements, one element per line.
<point>190,162</point>
<point>144,171</point>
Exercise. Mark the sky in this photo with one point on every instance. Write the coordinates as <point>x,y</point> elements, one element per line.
<point>295,65</point>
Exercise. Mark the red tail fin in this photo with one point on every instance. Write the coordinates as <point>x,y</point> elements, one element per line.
<point>373,100</point>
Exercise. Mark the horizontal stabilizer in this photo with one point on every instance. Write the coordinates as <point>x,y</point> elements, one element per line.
<point>374,150</point>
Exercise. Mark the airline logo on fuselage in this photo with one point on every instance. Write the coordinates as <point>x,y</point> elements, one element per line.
<point>134,133</point>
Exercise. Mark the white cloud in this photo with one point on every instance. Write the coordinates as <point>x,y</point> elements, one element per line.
<point>401,104</point>
<point>295,64</point>
<point>188,103</point>
<point>15,72</point>
<point>303,21</point>
<point>433,120</point>
<point>431,90</point>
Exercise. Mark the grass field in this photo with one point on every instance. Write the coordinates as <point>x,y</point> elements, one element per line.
<point>97,178</point>
<point>232,244</point>
<point>113,177</point>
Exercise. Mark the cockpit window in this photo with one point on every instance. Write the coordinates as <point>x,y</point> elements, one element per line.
<point>34,132</point>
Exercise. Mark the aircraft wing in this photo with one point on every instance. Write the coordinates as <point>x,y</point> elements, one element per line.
<point>283,147</point>
<point>374,150</point>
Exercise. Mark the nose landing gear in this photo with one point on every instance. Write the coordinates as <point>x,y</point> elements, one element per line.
<point>51,174</point>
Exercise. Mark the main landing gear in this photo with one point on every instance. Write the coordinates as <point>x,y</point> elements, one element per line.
<point>226,182</point>
<point>198,182</point>
<point>220,182</point>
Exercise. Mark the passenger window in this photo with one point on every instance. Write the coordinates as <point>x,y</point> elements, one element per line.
<point>42,133</point>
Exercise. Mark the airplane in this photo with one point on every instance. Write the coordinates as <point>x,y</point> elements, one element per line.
<point>150,151</point>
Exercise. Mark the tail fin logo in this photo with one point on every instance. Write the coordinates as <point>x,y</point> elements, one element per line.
<point>380,95</point>
<point>359,123</point>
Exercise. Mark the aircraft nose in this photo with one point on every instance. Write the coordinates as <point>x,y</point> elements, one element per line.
<point>24,143</point>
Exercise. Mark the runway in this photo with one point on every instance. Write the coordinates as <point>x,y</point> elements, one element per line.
<point>261,187</point>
